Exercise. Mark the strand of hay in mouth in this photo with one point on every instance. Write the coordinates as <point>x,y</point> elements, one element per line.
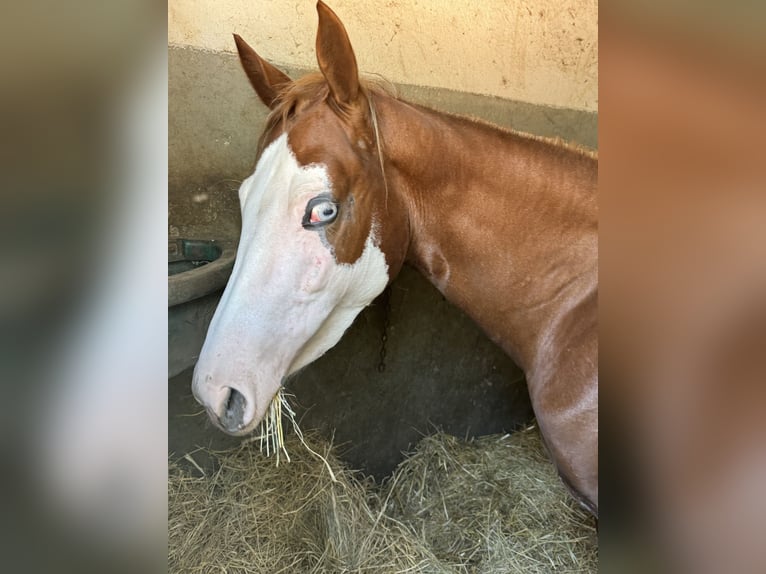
<point>270,431</point>
<point>491,505</point>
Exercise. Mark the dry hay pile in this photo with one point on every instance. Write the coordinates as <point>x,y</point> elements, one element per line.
<point>490,505</point>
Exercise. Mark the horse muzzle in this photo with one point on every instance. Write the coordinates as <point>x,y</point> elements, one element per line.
<point>228,408</point>
<point>232,419</point>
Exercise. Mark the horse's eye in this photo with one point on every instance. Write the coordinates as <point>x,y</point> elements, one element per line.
<point>319,211</point>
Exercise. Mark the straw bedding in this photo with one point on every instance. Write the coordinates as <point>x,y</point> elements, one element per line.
<point>489,505</point>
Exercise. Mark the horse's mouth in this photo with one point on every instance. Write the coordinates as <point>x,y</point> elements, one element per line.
<point>232,420</point>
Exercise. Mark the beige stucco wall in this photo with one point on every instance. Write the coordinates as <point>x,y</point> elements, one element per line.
<point>538,51</point>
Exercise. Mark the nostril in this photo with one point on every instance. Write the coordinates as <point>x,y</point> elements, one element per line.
<point>233,415</point>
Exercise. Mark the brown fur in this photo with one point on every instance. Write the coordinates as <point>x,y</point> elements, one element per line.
<point>504,224</point>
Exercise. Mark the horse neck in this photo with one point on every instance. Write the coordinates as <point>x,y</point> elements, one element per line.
<point>504,225</point>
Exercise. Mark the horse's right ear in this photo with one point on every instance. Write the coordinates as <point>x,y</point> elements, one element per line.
<point>267,80</point>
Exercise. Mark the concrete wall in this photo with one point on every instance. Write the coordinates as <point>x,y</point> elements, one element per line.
<point>541,52</point>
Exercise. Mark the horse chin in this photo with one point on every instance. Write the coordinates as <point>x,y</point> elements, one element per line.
<point>240,432</point>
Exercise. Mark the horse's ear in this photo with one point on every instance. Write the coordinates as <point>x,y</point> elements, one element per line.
<point>265,78</point>
<point>336,57</point>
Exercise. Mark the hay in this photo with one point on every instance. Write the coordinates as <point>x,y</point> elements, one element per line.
<point>494,504</point>
<point>489,505</point>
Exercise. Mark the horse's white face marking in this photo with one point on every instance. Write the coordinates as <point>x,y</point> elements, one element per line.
<point>288,301</point>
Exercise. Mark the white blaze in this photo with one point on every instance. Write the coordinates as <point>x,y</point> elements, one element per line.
<point>288,301</point>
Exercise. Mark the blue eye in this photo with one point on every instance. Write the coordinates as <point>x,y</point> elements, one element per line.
<point>319,211</point>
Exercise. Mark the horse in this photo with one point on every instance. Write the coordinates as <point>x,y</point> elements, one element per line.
<point>350,184</point>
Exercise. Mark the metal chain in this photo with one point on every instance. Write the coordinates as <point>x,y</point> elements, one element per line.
<point>386,302</point>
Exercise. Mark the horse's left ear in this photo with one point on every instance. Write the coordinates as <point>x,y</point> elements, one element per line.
<point>336,57</point>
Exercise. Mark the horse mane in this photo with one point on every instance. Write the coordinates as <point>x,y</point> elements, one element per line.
<point>553,141</point>
<point>560,143</point>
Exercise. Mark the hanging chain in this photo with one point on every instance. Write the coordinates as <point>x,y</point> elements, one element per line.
<point>386,302</point>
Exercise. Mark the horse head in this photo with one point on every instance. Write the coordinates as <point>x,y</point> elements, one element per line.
<point>313,251</point>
